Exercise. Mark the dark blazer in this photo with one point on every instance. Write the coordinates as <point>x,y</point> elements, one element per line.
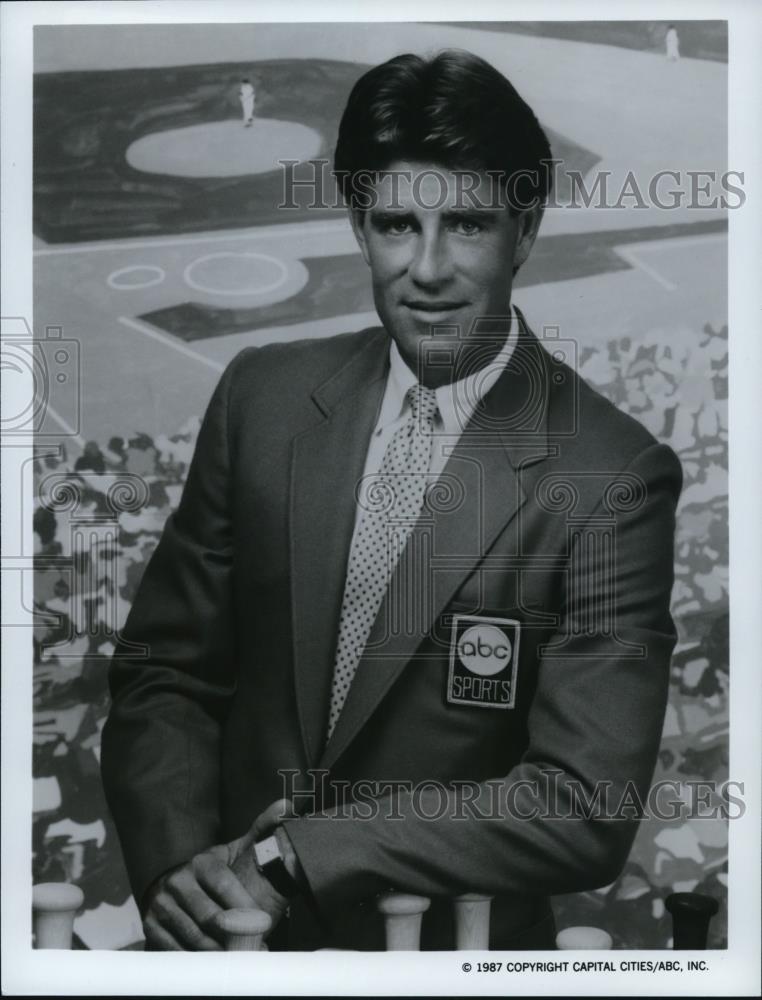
<point>556,512</point>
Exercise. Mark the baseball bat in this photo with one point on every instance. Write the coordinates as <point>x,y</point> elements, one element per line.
<point>244,930</point>
<point>472,913</point>
<point>584,939</point>
<point>691,913</point>
<point>403,914</point>
<point>54,906</point>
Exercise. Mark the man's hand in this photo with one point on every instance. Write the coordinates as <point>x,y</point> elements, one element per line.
<point>184,903</point>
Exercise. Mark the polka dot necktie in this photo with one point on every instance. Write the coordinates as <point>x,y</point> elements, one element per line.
<point>389,503</point>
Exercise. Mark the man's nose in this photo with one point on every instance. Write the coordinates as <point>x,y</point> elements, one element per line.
<point>431,264</point>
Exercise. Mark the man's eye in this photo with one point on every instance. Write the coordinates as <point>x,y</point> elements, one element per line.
<point>397,227</point>
<point>467,227</point>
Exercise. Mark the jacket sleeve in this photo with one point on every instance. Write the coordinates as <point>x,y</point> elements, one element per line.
<point>160,743</point>
<point>594,729</point>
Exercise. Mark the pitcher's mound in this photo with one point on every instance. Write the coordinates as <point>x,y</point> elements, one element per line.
<point>224,149</point>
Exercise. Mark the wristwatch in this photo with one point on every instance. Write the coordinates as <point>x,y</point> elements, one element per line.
<point>271,864</point>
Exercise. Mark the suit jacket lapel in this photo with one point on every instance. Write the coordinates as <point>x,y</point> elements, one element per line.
<point>477,496</point>
<point>327,462</point>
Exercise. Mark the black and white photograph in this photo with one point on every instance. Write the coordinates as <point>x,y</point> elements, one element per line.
<point>380,498</point>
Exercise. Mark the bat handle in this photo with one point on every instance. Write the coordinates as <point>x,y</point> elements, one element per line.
<point>691,913</point>
<point>472,913</point>
<point>403,914</point>
<point>244,930</point>
<point>54,905</point>
<point>583,939</point>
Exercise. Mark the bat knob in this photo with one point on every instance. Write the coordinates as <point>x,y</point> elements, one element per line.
<point>472,915</point>
<point>691,913</point>
<point>244,930</point>
<point>403,914</point>
<point>54,905</point>
<point>583,939</point>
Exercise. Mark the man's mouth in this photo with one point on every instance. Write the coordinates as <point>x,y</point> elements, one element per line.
<point>432,310</point>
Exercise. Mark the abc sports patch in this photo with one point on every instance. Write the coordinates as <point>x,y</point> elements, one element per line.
<point>484,656</point>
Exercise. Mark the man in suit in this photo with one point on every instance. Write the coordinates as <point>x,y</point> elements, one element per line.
<point>417,585</point>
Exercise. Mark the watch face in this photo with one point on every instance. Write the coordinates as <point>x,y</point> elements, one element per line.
<point>266,851</point>
<point>271,865</point>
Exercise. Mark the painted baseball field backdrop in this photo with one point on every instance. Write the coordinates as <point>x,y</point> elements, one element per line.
<point>161,251</point>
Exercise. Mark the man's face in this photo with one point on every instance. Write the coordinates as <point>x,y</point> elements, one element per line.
<point>441,249</point>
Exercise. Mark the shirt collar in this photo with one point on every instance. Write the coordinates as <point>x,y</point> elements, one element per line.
<point>456,400</point>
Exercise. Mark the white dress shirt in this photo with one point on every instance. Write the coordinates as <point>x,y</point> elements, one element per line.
<point>456,402</point>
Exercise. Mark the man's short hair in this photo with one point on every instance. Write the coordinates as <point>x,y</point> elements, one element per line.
<point>454,110</point>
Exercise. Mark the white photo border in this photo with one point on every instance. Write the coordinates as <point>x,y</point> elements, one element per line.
<point>731,972</point>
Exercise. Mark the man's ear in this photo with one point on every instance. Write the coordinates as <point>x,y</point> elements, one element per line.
<point>528,225</point>
<point>357,219</point>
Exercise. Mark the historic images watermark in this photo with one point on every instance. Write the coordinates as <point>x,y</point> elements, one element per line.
<point>592,543</point>
<point>88,504</point>
<point>551,795</point>
<point>42,417</point>
<point>310,184</point>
